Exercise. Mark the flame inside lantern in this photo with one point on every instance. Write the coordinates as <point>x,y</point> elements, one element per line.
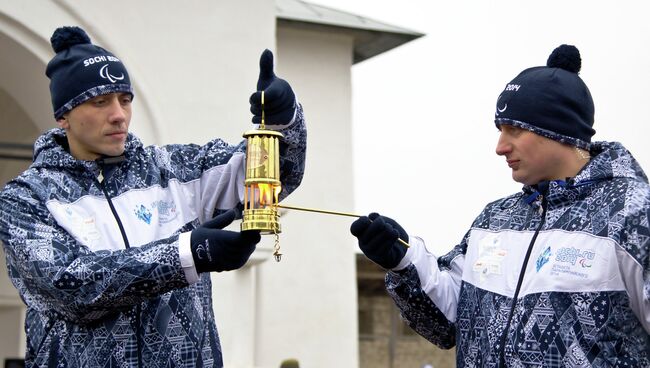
<point>268,194</point>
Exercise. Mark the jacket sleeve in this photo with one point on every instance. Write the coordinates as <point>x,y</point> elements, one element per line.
<point>425,289</point>
<point>55,274</point>
<point>220,167</point>
<point>634,257</point>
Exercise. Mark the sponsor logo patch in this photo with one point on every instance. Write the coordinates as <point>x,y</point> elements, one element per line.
<point>84,227</point>
<point>490,258</point>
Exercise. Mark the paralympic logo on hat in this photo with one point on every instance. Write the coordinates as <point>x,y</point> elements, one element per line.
<point>500,109</point>
<point>104,73</point>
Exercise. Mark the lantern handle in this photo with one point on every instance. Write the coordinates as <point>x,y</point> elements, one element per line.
<point>262,125</point>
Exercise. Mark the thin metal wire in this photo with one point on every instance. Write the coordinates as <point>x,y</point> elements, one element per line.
<point>330,213</point>
<point>317,210</point>
<point>262,124</point>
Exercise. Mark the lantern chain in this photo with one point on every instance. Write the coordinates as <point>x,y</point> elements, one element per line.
<point>276,247</point>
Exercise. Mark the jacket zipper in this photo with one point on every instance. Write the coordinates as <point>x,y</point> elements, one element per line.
<point>100,181</point>
<point>502,353</point>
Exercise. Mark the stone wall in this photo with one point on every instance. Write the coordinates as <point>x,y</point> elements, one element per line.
<point>384,339</point>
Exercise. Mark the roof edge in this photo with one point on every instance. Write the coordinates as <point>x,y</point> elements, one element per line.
<point>371,37</point>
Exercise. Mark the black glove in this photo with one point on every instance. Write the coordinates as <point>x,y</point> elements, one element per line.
<point>279,99</point>
<point>378,239</point>
<point>219,250</point>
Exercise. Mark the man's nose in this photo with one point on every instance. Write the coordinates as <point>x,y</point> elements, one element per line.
<point>117,113</point>
<point>503,145</point>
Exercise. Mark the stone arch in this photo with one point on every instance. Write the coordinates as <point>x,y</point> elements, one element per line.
<point>24,98</point>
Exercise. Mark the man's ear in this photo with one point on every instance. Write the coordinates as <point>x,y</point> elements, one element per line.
<point>63,122</point>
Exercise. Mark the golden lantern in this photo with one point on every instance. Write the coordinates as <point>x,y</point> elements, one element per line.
<point>262,185</point>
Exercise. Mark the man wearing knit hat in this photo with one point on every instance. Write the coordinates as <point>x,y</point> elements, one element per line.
<point>557,275</point>
<point>111,244</point>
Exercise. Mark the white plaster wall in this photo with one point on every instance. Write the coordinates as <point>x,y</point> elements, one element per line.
<point>305,306</point>
<point>308,307</point>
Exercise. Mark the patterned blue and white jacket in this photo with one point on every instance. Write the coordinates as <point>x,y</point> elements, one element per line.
<point>554,280</point>
<point>105,267</point>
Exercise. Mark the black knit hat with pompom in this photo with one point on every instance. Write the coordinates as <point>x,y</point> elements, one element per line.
<point>550,100</point>
<point>80,71</point>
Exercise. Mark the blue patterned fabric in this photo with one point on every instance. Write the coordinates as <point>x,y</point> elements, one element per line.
<point>585,296</point>
<point>91,302</point>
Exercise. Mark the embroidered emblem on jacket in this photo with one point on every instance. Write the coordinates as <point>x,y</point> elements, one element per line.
<point>166,211</point>
<point>543,258</point>
<point>573,256</point>
<point>570,261</point>
<point>143,214</point>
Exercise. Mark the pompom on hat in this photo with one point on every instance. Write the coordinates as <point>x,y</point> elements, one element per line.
<point>80,71</point>
<point>550,100</point>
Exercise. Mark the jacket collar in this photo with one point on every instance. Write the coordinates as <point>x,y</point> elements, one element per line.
<point>609,160</point>
<point>51,151</point>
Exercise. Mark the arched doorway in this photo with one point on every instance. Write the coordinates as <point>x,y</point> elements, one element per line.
<point>24,115</point>
<point>25,109</point>
<point>17,138</point>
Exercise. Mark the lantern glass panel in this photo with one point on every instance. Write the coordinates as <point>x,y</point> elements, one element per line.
<point>262,184</point>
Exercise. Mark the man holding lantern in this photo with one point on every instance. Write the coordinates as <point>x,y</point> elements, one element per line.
<point>557,275</point>
<point>110,243</point>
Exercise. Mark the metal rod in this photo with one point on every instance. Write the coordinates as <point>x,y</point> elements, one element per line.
<point>315,210</point>
<point>330,213</point>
